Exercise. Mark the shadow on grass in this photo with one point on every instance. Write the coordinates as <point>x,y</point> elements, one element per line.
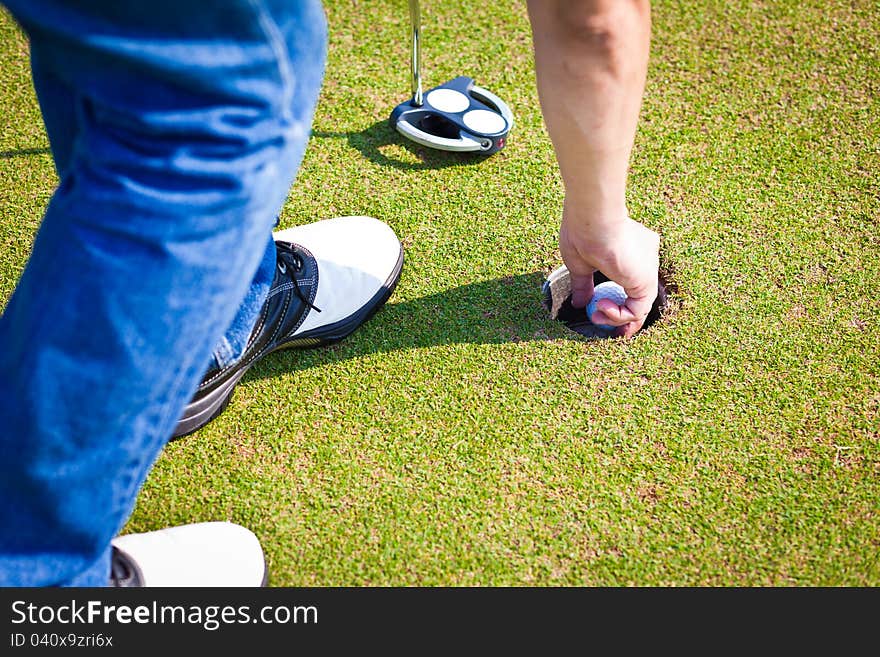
<point>24,152</point>
<point>370,141</point>
<point>490,312</point>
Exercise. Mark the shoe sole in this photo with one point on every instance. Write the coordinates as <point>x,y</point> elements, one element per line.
<point>209,407</point>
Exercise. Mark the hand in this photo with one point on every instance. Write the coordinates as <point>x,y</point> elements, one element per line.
<point>625,251</point>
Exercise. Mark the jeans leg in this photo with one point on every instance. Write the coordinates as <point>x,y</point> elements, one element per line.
<point>187,124</point>
<point>57,107</point>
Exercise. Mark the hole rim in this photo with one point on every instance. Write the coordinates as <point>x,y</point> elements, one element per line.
<point>576,320</point>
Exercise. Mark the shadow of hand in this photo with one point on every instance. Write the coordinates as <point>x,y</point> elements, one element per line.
<point>490,312</point>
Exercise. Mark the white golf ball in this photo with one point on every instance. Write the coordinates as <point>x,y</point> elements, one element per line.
<point>606,290</point>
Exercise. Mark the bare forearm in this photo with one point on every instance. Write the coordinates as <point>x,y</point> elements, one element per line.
<point>591,60</point>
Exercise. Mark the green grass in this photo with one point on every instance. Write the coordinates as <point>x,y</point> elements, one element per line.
<point>463,438</point>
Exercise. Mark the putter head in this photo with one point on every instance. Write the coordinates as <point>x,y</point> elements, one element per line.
<point>456,116</point>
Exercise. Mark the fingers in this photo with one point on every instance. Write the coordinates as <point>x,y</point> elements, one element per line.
<point>629,318</point>
<point>626,252</point>
<point>581,290</point>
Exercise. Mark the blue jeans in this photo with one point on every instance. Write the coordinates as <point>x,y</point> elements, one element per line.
<point>176,127</point>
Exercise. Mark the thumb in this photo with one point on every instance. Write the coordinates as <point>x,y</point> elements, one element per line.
<point>634,309</point>
<point>630,316</point>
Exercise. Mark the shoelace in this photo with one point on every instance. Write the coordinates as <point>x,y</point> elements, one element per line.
<point>288,255</point>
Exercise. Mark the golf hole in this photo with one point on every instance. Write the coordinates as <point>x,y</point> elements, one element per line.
<point>557,302</point>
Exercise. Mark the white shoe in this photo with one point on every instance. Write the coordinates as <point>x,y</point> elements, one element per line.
<point>331,276</point>
<point>206,554</point>
<point>358,261</point>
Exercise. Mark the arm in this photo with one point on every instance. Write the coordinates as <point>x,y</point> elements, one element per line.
<point>591,59</point>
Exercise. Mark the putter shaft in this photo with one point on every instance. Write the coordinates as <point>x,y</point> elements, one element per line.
<point>416,19</point>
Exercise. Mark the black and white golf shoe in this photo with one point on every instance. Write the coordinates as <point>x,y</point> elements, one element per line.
<point>331,276</point>
<point>203,554</point>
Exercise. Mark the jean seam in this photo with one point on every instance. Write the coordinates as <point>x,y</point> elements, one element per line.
<point>223,352</point>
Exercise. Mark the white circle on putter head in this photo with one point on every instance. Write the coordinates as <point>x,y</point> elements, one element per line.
<point>448,100</point>
<point>484,121</point>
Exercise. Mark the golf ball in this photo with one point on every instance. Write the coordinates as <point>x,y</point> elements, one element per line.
<point>606,290</point>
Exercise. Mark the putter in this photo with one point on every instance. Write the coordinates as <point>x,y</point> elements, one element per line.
<point>454,116</point>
